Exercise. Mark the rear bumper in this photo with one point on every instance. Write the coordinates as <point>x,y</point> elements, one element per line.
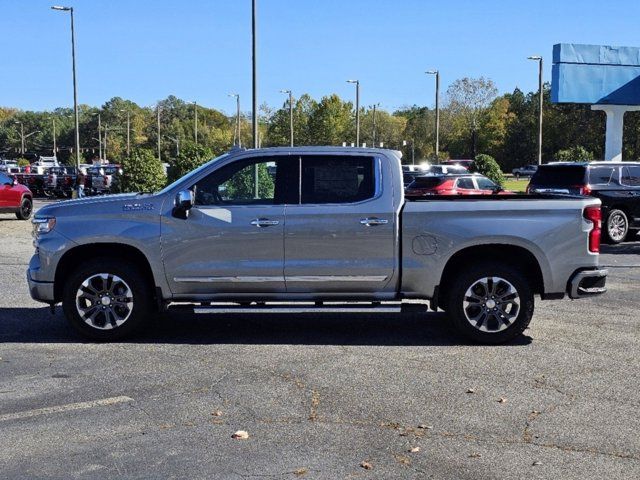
<point>586,283</point>
<point>40,291</point>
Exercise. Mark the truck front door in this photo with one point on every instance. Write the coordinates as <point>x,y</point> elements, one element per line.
<point>340,237</point>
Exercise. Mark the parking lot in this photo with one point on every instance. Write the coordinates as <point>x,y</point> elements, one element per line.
<point>384,396</point>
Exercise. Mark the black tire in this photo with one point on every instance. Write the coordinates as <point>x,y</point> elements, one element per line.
<point>25,210</point>
<point>494,326</point>
<point>125,279</point>
<point>616,228</point>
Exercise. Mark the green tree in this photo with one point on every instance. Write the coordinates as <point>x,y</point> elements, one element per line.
<point>487,166</point>
<point>576,153</point>
<point>142,172</point>
<point>242,184</point>
<point>191,157</point>
<point>331,122</point>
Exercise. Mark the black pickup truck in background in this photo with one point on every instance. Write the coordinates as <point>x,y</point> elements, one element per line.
<point>617,185</point>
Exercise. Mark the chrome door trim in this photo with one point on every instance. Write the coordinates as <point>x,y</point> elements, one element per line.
<point>244,279</point>
<point>335,278</point>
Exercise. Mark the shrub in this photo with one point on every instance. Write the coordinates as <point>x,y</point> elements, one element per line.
<point>23,162</point>
<point>574,154</point>
<point>487,166</point>
<point>191,157</point>
<point>142,172</point>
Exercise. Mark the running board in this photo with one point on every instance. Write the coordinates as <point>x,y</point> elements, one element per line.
<point>297,308</point>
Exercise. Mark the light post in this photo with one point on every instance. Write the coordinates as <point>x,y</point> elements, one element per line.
<point>99,135</point>
<point>158,118</point>
<point>413,151</point>
<point>75,85</point>
<point>195,122</point>
<point>128,131</point>
<point>21,137</point>
<point>357,82</point>
<point>237,97</point>
<point>539,59</point>
<point>373,139</point>
<point>437,75</point>
<point>290,114</point>
<point>254,76</point>
<point>55,148</point>
<point>177,142</point>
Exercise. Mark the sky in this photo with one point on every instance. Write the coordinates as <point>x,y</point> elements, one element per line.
<point>200,50</point>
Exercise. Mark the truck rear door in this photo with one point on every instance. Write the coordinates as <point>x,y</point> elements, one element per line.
<point>340,237</point>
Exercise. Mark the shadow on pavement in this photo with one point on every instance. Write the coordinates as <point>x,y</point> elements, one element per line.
<point>37,325</point>
<point>629,248</point>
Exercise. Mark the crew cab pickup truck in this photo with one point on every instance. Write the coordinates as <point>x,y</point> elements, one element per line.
<point>312,229</point>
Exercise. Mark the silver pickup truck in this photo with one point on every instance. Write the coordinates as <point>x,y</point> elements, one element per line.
<point>312,229</point>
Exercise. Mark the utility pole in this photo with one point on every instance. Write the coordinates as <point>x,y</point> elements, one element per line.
<point>159,154</point>
<point>195,120</point>
<point>357,82</point>
<point>237,130</point>
<point>437,74</point>
<point>373,140</point>
<point>540,102</point>
<point>254,86</point>
<point>128,133</point>
<point>55,148</point>
<point>290,115</point>
<point>100,154</point>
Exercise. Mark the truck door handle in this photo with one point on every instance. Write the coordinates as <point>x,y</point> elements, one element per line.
<point>373,221</point>
<point>264,222</point>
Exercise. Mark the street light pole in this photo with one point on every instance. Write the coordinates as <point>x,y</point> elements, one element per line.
<point>75,84</point>
<point>437,75</point>
<point>540,102</point>
<point>128,133</point>
<point>290,115</point>
<point>55,148</point>
<point>195,121</point>
<point>158,115</point>
<point>373,140</point>
<point>254,74</point>
<point>100,153</point>
<point>357,82</point>
<point>21,137</point>
<point>237,97</point>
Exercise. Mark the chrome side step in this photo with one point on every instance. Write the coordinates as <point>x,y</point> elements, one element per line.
<point>311,307</point>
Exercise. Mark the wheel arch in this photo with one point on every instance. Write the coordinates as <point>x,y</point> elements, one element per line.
<point>512,255</point>
<point>76,255</point>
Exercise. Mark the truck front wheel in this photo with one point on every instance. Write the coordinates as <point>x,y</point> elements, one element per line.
<point>490,303</point>
<point>106,299</point>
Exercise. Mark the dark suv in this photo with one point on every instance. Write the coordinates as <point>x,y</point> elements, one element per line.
<point>617,185</point>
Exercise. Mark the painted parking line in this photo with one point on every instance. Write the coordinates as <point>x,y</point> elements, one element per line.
<point>65,408</point>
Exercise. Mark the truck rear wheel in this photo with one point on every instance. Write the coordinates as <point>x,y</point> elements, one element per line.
<point>106,299</point>
<point>617,227</point>
<point>490,303</point>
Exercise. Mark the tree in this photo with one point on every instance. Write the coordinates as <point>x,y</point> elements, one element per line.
<point>191,157</point>
<point>242,184</point>
<point>469,98</point>
<point>574,154</point>
<point>487,166</point>
<point>142,172</point>
<point>331,122</point>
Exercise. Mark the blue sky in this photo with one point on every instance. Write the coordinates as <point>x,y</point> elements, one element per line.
<point>200,50</point>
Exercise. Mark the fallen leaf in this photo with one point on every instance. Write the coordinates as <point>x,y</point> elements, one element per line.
<point>217,413</point>
<point>536,463</point>
<point>471,390</point>
<point>240,435</point>
<point>300,471</point>
<point>475,455</point>
<point>502,400</point>
<point>414,450</point>
<point>366,465</point>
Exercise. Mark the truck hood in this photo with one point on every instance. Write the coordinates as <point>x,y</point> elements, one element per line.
<point>119,203</point>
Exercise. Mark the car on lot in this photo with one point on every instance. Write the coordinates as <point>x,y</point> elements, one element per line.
<point>7,166</point>
<point>526,171</point>
<point>15,198</point>
<point>617,185</point>
<point>466,163</point>
<point>312,229</point>
<point>103,178</point>
<point>456,184</point>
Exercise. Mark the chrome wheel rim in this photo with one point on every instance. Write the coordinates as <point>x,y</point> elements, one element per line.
<point>491,304</point>
<point>104,301</point>
<point>617,227</point>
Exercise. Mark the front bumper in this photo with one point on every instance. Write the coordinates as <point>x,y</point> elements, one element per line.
<point>40,291</point>
<point>586,283</point>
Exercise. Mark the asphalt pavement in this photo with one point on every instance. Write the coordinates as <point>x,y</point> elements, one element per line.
<point>321,396</point>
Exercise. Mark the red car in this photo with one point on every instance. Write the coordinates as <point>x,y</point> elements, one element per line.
<point>15,198</point>
<point>471,184</point>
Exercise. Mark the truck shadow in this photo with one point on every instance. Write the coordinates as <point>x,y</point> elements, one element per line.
<point>37,325</point>
<point>626,248</point>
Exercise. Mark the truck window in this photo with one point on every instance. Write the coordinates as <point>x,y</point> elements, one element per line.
<point>235,183</point>
<point>601,175</point>
<point>631,176</point>
<point>336,179</point>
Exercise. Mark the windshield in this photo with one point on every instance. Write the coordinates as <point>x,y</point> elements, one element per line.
<point>559,175</point>
<point>192,173</point>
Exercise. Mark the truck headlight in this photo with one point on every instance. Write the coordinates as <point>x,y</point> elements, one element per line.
<point>43,225</point>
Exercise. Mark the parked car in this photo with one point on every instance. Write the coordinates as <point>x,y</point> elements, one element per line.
<point>59,181</point>
<point>446,169</point>
<point>466,184</point>
<point>468,164</point>
<point>15,198</point>
<point>102,178</point>
<point>334,224</point>
<point>617,185</point>
<point>8,165</point>
<point>526,171</point>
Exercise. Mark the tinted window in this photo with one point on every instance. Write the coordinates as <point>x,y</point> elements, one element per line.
<point>466,183</point>
<point>485,183</point>
<point>333,179</point>
<point>235,183</point>
<point>559,175</point>
<point>631,176</point>
<point>601,175</point>
<point>4,179</point>
<point>426,182</point>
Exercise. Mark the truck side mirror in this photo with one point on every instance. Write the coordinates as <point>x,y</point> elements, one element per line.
<point>183,203</point>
